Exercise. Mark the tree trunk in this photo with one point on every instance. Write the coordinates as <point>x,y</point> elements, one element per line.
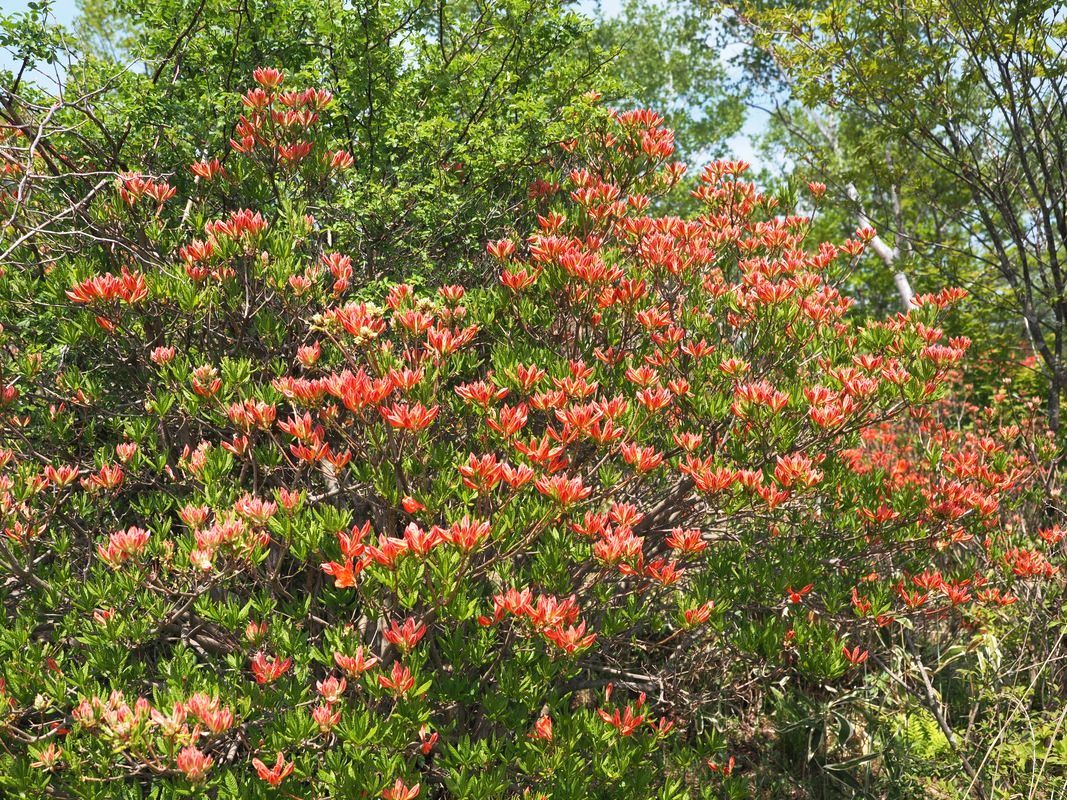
<point>1055,392</point>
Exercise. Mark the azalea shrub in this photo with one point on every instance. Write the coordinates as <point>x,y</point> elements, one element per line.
<point>964,697</point>
<point>274,530</point>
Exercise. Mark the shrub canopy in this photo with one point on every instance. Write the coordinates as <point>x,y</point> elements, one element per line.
<point>274,530</point>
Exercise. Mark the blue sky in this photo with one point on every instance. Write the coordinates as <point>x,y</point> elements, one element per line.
<point>609,7</point>
<point>741,146</point>
<point>63,10</point>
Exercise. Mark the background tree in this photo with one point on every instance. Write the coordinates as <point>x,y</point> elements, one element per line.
<point>447,108</point>
<point>945,122</point>
<point>666,56</point>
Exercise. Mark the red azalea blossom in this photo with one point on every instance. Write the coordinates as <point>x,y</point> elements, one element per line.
<point>275,775</point>
<point>267,669</point>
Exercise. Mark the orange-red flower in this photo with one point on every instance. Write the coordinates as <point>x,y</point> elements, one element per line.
<point>129,287</point>
<point>326,717</point>
<point>268,77</point>
<point>409,416</point>
<point>276,774</point>
<point>267,669</point>
<point>797,595</point>
<point>542,729</point>
<point>332,689</point>
<point>629,720</point>
<point>355,665</point>
<point>466,534</point>
<point>194,764</point>
<point>399,681</point>
<point>401,791</point>
<point>855,656</point>
<point>563,490</point>
<point>406,635</point>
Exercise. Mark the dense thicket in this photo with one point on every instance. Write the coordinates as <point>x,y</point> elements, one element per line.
<point>387,411</point>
